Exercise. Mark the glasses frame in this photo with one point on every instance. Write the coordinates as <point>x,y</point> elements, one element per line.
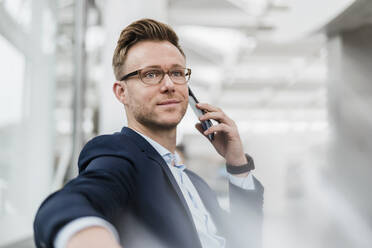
<point>138,72</point>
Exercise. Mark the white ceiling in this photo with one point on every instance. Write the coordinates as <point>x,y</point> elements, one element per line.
<point>239,64</point>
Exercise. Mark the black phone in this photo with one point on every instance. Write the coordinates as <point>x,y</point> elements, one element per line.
<point>198,112</point>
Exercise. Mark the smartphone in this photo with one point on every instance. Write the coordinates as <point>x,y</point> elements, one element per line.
<point>198,112</point>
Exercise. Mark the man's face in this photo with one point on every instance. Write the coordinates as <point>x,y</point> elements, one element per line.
<point>160,106</point>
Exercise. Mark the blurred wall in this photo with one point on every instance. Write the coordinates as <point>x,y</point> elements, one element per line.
<point>350,108</point>
<point>116,16</point>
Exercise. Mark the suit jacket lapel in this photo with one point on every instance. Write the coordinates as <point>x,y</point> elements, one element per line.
<point>150,152</point>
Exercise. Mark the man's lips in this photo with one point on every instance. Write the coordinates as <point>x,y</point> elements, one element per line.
<point>169,102</point>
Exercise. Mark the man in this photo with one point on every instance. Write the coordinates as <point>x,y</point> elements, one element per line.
<point>132,190</point>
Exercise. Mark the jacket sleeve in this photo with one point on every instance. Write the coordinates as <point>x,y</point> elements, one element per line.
<point>246,215</point>
<point>101,190</point>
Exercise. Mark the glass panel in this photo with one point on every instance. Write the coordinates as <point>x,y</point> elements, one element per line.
<point>20,10</point>
<point>27,96</point>
<point>12,64</point>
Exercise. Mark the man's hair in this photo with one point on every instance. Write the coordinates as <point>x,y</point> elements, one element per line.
<point>141,30</point>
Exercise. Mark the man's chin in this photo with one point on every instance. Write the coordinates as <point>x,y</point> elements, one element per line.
<point>168,120</point>
<point>161,124</point>
<point>168,124</point>
<point>161,121</point>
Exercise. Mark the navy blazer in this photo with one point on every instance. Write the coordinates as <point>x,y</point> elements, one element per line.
<point>125,181</point>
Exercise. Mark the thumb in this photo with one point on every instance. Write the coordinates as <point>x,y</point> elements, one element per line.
<point>199,127</point>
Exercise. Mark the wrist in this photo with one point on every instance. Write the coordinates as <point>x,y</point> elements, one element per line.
<point>237,161</point>
<point>242,169</point>
<point>95,236</point>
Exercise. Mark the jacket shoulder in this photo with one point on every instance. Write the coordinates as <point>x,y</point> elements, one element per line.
<point>117,145</point>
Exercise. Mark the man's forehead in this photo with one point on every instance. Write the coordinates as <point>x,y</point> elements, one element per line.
<point>154,53</point>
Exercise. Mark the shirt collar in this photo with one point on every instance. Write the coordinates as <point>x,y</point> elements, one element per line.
<point>166,155</point>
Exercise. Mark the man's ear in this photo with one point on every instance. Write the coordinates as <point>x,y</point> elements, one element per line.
<point>119,89</point>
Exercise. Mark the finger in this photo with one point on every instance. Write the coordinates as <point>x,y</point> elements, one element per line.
<point>214,113</point>
<point>222,127</point>
<point>199,127</point>
<point>207,107</point>
<point>220,117</point>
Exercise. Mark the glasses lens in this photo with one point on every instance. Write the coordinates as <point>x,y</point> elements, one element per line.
<point>151,75</point>
<point>154,75</point>
<point>179,76</point>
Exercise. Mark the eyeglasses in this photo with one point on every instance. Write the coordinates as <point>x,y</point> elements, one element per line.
<point>152,76</point>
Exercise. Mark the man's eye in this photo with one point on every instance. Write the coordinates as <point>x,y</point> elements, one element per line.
<point>151,74</point>
<point>178,73</point>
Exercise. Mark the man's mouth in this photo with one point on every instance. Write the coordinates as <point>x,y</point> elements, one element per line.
<point>169,102</point>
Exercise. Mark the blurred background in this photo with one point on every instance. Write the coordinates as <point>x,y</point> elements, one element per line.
<point>295,75</point>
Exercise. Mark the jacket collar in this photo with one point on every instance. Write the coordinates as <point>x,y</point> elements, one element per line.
<point>143,144</point>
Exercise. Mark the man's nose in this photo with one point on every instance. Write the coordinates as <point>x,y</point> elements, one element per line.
<point>167,83</point>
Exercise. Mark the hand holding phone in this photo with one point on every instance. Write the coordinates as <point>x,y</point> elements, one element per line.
<point>198,112</point>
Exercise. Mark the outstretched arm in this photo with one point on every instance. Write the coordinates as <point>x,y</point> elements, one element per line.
<point>101,190</point>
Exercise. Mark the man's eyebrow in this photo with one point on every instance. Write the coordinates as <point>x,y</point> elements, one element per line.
<point>158,66</point>
<point>153,66</point>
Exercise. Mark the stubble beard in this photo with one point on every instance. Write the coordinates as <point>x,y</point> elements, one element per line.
<point>148,119</point>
